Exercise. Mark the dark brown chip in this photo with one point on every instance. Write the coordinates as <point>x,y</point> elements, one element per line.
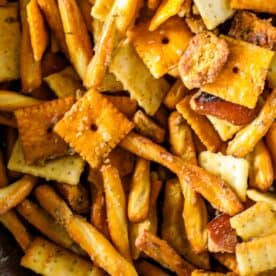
<point>248,27</point>
<point>203,60</point>
<point>221,236</point>
<point>207,104</point>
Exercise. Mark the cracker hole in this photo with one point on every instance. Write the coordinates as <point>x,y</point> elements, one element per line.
<point>165,40</point>
<point>235,70</point>
<point>94,127</point>
<point>50,129</point>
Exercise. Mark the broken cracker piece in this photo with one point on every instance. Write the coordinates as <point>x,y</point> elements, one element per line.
<point>65,169</point>
<point>93,127</point>
<point>35,124</point>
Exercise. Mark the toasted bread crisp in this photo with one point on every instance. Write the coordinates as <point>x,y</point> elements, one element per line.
<point>242,79</point>
<point>93,127</point>
<point>65,169</point>
<point>203,60</point>
<point>248,27</point>
<point>35,125</point>
<point>161,49</point>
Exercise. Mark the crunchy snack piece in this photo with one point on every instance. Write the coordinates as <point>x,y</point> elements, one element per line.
<point>46,258</point>
<point>260,168</point>
<point>147,127</point>
<point>88,129</point>
<point>124,104</point>
<point>207,104</point>
<point>110,84</point>
<point>246,139</point>
<point>270,139</point>
<point>97,67</point>
<point>13,194</point>
<point>98,208</point>
<point>12,222</point>
<point>52,16</point>
<point>40,219</point>
<point>221,236</point>
<point>200,124</point>
<point>175,94</point>
<point>161,252</point>
<point>30,70</point>
<point>268,198</point>
<point>116,210</point>
<point>76,35</point>
<point>232,170</point>
<point>139,193</point>
<point>203,60</point>
<point>161,49</point>
<point>213,188</point>
<point>130,70</point>
<point>181,138</point>
<point>214,12</point>
<point>53,204</point>
<point>256,221</point>
<point>228,260</point>
<point>10,101</point>
<point>173,230</point>
<point>196,24</point>
<point>99,248</point>
<point>9,43</point>
<point>256,256</point>
<point>248,27</point>
<point>225,129</point>
<point>122,160</point>
<point>38,33</point>
<point>241,81</point>
<point>36,123</point>
<point>150,223</point>
<point>147,269</point>
<point>255,5</point>
<point>101,9</point>
<point>166,9</point>
<point>76,196</point>
<point>64,83</point>
<point>65,169</point>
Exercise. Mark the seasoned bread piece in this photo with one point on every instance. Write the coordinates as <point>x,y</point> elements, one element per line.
<point>248,27</point>
<point>203,60</point>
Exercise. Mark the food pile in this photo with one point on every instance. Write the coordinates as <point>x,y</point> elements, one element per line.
<point>139,137</point>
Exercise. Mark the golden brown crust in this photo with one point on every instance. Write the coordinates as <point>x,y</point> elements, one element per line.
<point>35,124</point>
<point>88,129</point>
<point>248,27</point>
<point>221,236</point>
<point>161,252</point>
<point>203,60</point>
<point>207,104</point>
